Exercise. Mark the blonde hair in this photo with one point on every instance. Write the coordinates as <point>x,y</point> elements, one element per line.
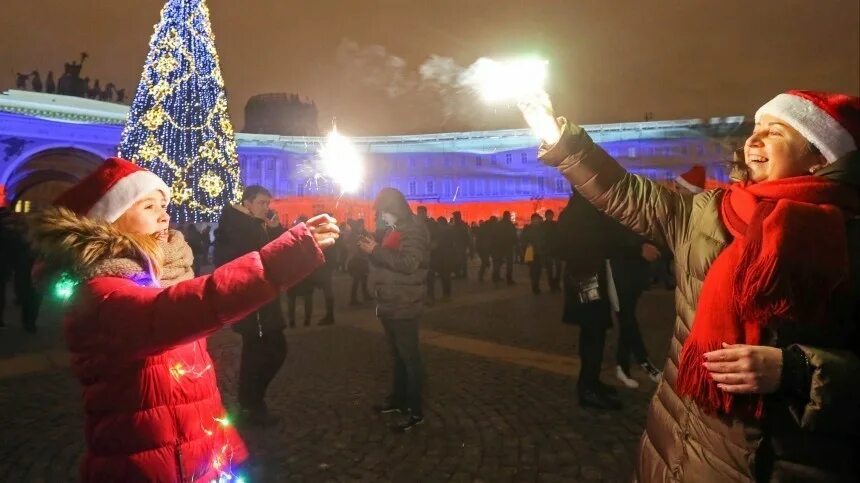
<point>66,241</point>
<point>145,245</point>
<point>150,251</point>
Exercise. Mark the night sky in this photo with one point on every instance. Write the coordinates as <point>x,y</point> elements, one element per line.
<point>610,61</point>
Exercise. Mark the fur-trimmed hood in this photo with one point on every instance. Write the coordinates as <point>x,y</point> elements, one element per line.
<point>91,248</point>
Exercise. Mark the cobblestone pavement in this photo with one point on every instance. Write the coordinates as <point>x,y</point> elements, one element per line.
<point>487,420</point>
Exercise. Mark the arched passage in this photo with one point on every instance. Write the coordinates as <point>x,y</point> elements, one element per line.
<point>38,180</point>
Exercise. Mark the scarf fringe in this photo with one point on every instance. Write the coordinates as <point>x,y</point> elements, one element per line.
<point>761,293</point>
<point>788,254</point>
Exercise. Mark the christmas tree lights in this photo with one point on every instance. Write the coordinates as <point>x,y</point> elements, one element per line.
<point>178,126</point>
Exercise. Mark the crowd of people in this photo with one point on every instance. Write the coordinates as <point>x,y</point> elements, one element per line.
<point>759,383</point>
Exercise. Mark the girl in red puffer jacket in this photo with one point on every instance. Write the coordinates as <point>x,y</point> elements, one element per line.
<point>137,321</point>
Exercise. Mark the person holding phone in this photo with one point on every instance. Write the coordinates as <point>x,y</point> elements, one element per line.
<point>244,228</point>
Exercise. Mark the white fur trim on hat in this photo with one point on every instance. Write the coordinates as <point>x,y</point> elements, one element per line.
<point>125,193</point>
<point>689,186</point>
<point>815,124</point>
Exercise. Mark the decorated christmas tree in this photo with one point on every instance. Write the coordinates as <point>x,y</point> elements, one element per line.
<point>178,126</point>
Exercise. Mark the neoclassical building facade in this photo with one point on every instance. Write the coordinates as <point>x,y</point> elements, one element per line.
<point>48,142</point>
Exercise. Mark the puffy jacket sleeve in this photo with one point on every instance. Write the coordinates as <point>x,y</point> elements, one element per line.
<point>140,321</point>
<point>833,405</point>
<point>640,204</point>
<point>414,251</point>
<point>833,398</point>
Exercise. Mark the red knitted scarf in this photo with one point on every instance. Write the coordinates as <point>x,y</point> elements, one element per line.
<point>788,255</point>
<point>391,240</point>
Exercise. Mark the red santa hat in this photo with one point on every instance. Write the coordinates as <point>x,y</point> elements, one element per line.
<point>831,122</point>
<point>693,179</point>
<point>111,189</point>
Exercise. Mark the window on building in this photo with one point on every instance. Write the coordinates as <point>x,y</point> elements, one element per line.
<point>508,158</point>
<point>631,152</point>
<point>430,187</point>
<point>559,186</point>
<point>300,188</point>
<point>413,188</point>
<point>524,158</point>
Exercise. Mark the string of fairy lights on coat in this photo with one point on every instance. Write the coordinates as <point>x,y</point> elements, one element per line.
<point>179,128</point>
<point>178,125</point>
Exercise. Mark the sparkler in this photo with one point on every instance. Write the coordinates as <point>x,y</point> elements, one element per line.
<point>341,162</point>
<point>521,81</point>
<point>514,80</point>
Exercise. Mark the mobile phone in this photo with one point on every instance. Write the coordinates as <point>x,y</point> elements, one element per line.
<point>271,214</point>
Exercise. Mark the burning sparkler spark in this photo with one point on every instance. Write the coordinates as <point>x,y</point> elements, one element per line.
<point>512,81</point>
<point>519,81</point>
<point>341,161</point>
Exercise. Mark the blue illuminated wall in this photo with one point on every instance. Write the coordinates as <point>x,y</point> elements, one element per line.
<point>450,167</point>
<point>499,176</point>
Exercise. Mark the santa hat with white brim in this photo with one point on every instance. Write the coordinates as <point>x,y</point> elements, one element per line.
<point>111,190</point>
<point>831,122</point>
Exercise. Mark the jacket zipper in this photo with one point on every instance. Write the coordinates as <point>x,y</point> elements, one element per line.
<point>259,326</point>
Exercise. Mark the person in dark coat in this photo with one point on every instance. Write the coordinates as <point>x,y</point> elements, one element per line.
<point>535,246</point>
<point>462,244</point>
<point>5,260</point>
<point>630,274</point>
<point>484,244</point>
<point>553,255</point>
<point>322,279</point>
<point>16,262</point>
<point>244,228</point>
<point>588,239</point>
<point>358,265</point>
<point>303,289</point>
<point>399,273</point>
<point>442,260</point>
<point>502,245</point>
<point>195,241</point>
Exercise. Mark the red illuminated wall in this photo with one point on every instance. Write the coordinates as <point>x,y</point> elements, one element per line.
<point>291,208</point>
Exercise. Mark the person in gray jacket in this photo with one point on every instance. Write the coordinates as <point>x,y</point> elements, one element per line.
<point>398,271</point>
